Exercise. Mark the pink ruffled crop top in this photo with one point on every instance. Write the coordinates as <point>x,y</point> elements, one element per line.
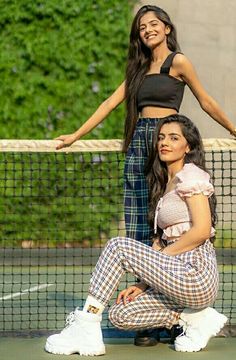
<point>172,214</point>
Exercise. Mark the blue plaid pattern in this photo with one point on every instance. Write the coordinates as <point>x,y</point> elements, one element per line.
<point>135,184</point>
<point>175,282</point>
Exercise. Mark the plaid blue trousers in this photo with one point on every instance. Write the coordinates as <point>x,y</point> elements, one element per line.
<point>135,184</point>
<point>175,282</point>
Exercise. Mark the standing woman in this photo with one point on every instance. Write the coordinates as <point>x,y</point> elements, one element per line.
<point>156,75</point>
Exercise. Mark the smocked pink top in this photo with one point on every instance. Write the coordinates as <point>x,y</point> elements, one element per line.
<point>172,214</point>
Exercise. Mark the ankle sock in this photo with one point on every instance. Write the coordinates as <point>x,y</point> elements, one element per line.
<point>93,306</point>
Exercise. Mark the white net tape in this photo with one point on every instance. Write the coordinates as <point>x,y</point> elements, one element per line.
<point>93,145</point>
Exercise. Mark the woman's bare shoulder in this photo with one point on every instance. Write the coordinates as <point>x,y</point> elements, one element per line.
<point>180,60</point>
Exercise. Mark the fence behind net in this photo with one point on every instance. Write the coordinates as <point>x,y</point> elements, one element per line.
<point>57,211</point>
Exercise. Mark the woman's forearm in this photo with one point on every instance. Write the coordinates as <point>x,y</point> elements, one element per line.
<point>212,108</point>
<point>102,111</point>
<point>100,114</point>
<point>187,242</point>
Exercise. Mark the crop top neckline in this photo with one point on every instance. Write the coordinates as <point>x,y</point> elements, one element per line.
<point>166,65</point>
<point>187,167</point>
<point>161,89</point>
<point>162,74</point>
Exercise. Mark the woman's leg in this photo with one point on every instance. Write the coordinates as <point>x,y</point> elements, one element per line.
<point>135,184</point>
<point>162,307</point>
<point>136,200</point>
<point>150,310</point>
<point>177,277</point>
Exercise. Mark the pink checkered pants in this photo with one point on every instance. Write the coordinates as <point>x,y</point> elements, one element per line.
<point>175,282</point>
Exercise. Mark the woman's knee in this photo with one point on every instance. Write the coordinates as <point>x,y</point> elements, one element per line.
<point>112,243</point>
<point>119,242</point>
<point>118,317</point>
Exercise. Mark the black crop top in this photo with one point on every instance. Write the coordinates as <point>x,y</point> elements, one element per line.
<point>161,90</point>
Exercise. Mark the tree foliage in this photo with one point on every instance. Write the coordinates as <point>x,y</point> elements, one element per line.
<point>58,61</point>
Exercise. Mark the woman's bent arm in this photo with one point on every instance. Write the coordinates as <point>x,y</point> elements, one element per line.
<point>201,226</point>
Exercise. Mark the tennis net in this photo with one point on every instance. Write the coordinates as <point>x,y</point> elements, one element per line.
<point>57,211</point>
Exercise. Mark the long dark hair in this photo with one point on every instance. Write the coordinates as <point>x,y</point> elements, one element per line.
<point>156,170</point>
<point>138,63</point>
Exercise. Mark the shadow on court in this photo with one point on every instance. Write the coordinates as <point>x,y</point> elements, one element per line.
<point>117,349</point>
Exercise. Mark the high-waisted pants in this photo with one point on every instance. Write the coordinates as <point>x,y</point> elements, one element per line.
<point>174,282</point>
<point>135,184</point>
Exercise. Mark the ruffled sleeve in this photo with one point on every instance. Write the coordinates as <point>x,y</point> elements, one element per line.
<point>193,180</point>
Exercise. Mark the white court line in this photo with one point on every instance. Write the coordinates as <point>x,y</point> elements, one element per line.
<point>26,291</point>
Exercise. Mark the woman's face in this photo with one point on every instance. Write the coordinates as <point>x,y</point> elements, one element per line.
<point>172,145</point>
<point>152,31</point>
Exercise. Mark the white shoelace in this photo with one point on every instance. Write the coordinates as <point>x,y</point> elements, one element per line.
<point>70,319</point>
<point>184,329</point>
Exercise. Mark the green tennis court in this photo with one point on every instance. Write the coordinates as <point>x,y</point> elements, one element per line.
<point>116,349</point>
<point>41,298</point>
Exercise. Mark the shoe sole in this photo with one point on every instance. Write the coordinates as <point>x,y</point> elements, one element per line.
<point>183,348</point>
<point>82,351</point>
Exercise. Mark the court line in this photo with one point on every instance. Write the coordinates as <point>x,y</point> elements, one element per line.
<point>26,291</point>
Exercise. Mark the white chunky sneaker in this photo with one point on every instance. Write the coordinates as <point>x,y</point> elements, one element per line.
<point>198,328</point>
<point>82,334</point>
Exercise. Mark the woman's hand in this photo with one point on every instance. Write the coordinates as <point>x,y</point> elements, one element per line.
<point>131,293</point>
<point>156,245</point>
<point>67,140</point>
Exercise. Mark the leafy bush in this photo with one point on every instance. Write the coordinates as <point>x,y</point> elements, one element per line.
<point>58,61</point>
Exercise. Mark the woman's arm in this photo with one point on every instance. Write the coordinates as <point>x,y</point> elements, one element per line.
<point>187,72</point>
<point>201,226</point>
<point>98,116</point>
<point>156,244</point>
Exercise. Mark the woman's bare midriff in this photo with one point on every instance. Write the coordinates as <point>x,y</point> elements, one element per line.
<point>156,112</point>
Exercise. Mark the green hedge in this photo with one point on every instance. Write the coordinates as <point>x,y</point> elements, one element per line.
<point>58,61</point>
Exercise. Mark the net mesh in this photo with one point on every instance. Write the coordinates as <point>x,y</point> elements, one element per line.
<point>57,211</point>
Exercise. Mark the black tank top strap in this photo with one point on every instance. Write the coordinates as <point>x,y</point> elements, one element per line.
<point>165,69</point>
